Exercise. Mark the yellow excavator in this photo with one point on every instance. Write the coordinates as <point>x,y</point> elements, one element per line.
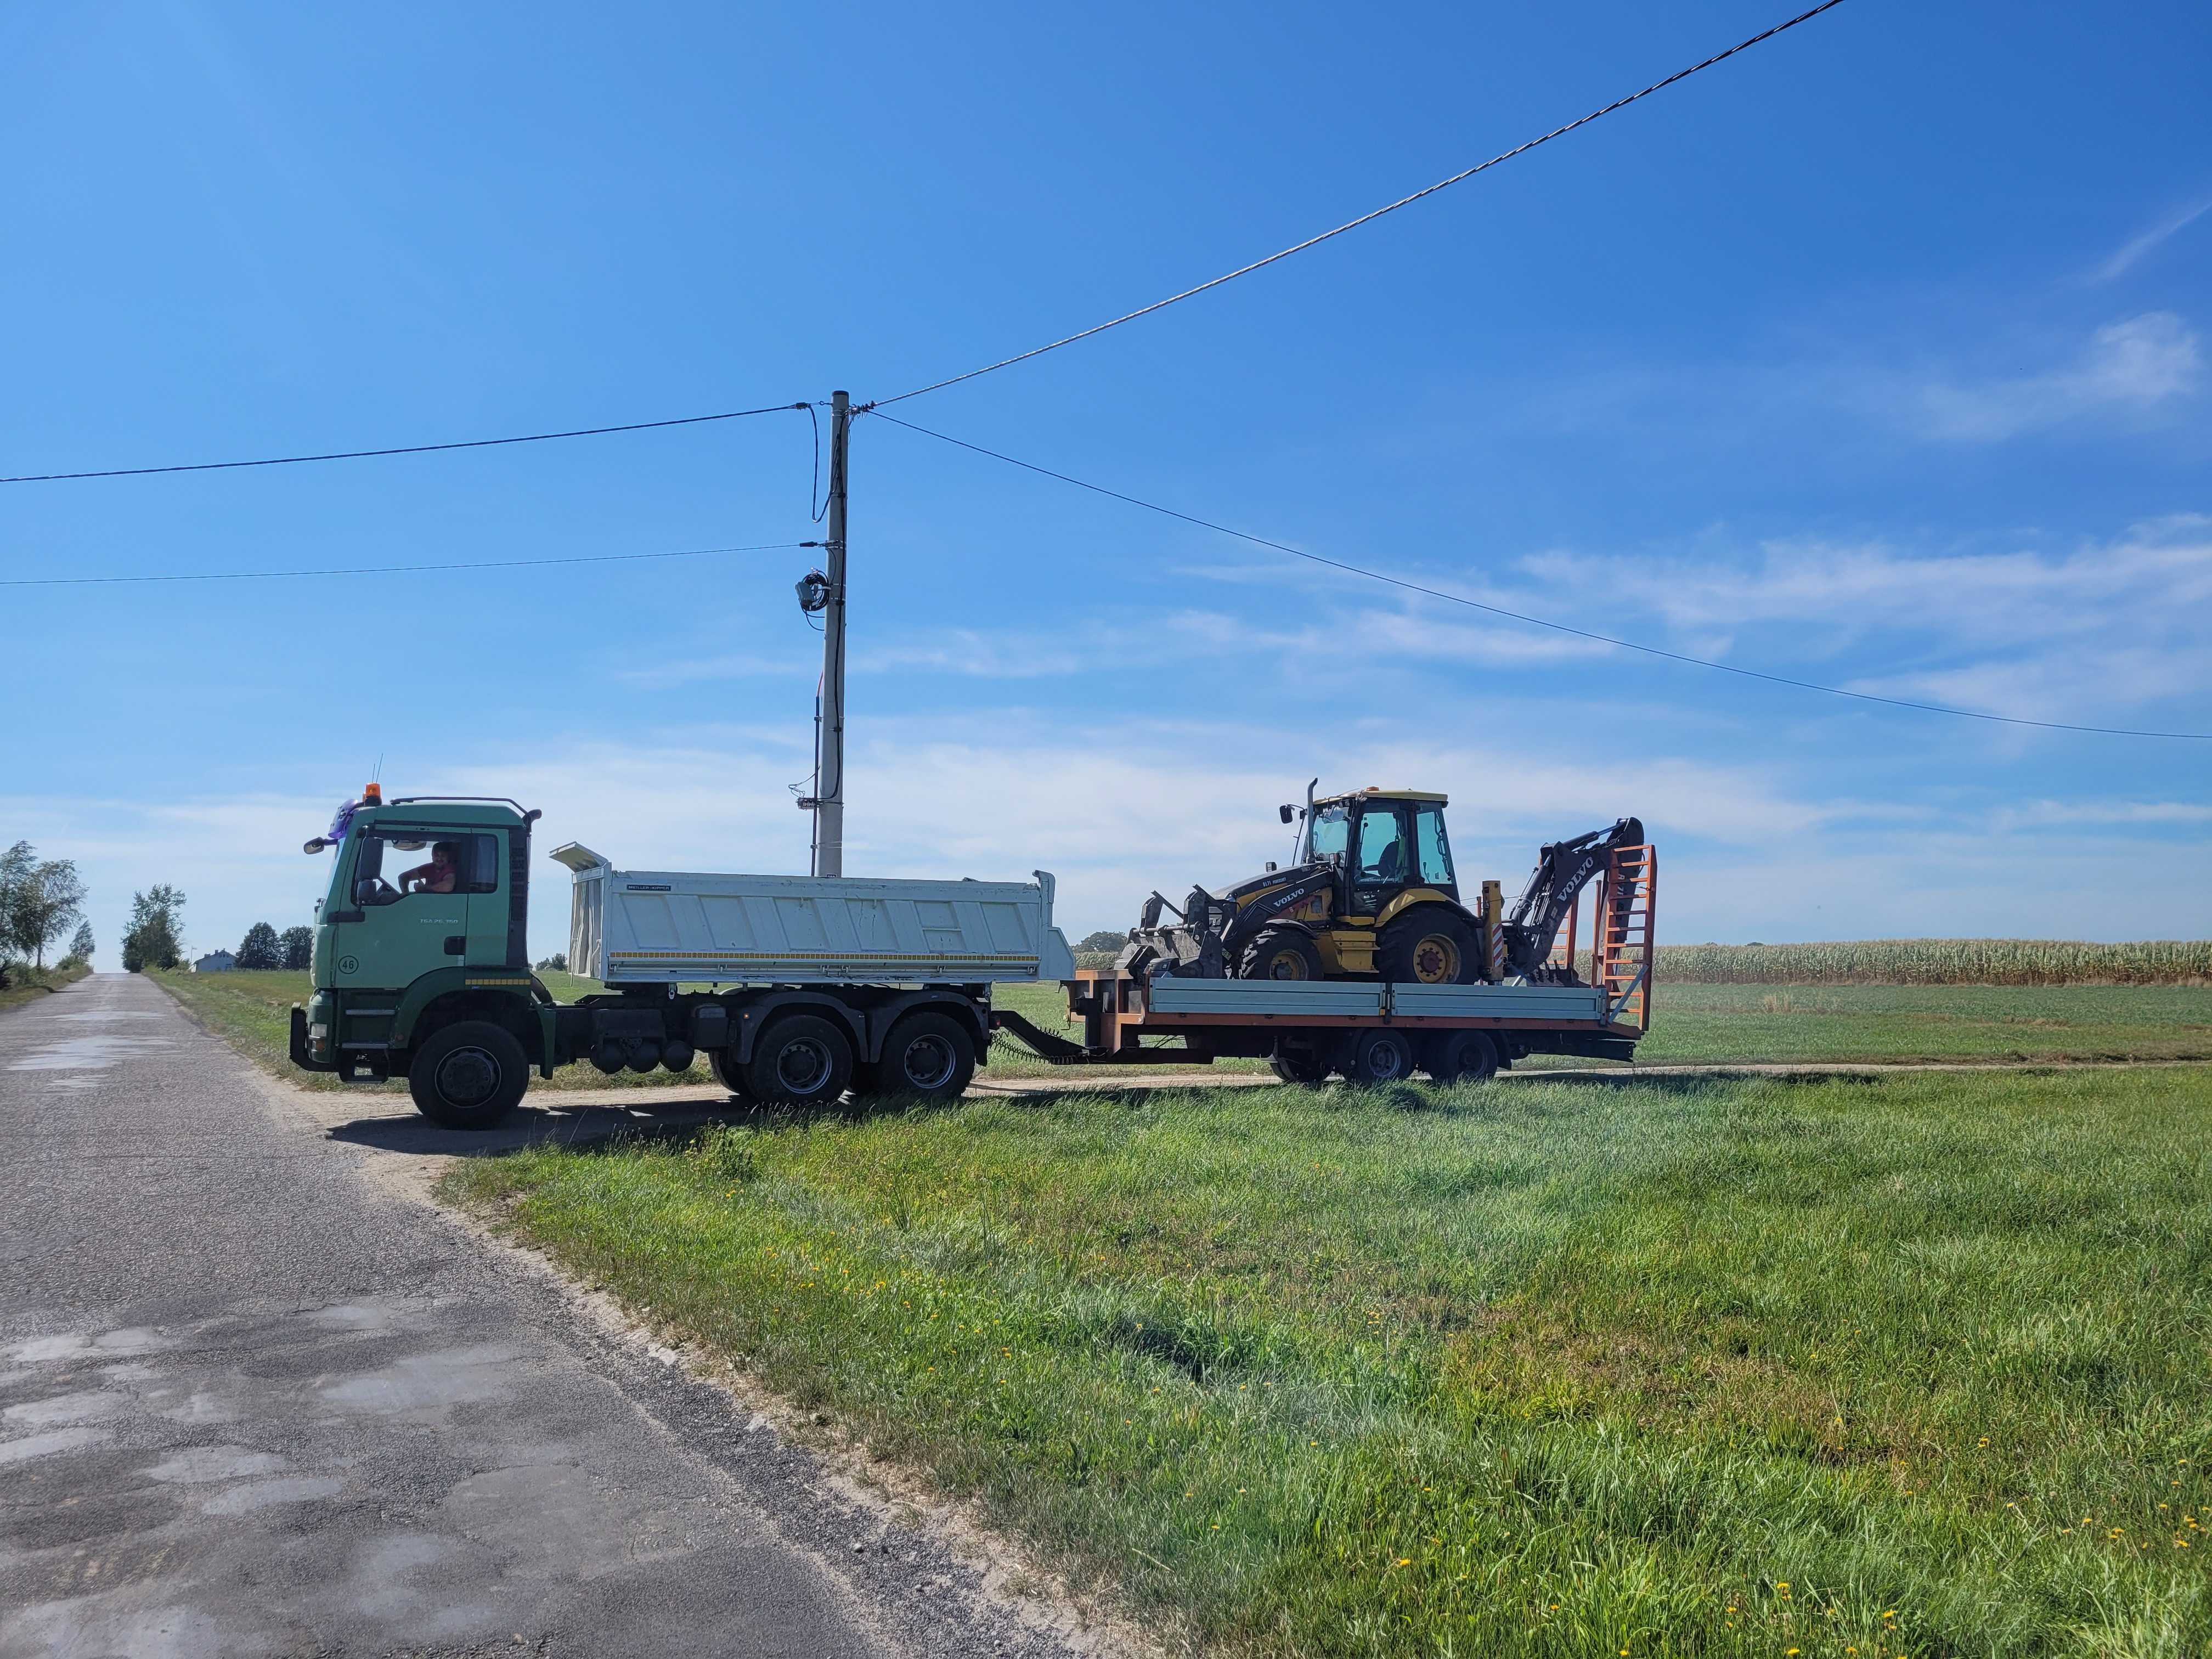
<point>1370,893</point>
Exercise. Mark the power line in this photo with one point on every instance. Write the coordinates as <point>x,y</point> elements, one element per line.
<point>394,569</point>
<point>1366,218</point>
<point>1540,621</point>
<point>403,449</point>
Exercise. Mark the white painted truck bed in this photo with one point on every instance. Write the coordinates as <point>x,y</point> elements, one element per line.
<point>651,927</point>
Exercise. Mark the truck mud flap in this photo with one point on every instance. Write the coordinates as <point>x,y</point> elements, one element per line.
<point>301,1057</point>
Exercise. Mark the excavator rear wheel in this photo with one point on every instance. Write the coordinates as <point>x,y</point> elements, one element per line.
<point>1428,945</point>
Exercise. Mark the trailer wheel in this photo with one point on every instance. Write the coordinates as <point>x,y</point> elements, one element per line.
<point>1384,1056</point>
<point>801,1059</point>
<point>1428,945</point>
<point>1465,1056</point>
<point>468,1076</point>
<point>728,1073</point>
<point>1299,1063</point>
<point>926,1054</point>
<point>1281,953</point>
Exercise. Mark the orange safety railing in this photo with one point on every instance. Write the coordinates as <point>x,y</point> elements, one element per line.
<point>1622,935</point>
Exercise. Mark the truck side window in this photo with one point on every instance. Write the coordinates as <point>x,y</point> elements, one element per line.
<point>445,864</point>
<point>1434,851</point>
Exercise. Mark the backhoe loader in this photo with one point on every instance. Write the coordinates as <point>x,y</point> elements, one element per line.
<point>1370,893</point>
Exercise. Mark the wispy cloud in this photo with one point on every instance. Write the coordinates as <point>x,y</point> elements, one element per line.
<point>2128,367</point>
<point>2124,256</point>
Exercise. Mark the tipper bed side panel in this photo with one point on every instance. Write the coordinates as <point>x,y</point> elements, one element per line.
<point>667,925</point>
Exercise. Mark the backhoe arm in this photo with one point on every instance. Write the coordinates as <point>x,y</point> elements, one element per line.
<point>1531,927</point>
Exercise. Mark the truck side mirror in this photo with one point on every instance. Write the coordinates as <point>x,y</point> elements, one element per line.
<point>1288,812</point>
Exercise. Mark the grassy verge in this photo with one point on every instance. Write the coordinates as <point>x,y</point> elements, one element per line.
<point>1908,1366</point>
<point>27,984</point>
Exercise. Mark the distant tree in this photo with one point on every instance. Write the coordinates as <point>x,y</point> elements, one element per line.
<point>156,936</point>
<point>81,946</point>
<point>1104,940</point>
<point>259,951</point>
<point>16,865</point>
<point>299,945</point>
<point>43,900</point>
<point>556,964</point>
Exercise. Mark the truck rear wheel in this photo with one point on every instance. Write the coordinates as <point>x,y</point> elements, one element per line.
<point>728,1073</point>
<point>468,1076</point>
<point>926,1054</point>
<point>801,1059</point>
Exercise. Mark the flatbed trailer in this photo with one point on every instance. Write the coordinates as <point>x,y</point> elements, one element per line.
<point>1371,1030</point>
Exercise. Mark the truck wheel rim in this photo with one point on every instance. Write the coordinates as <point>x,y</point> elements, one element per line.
<point>1386,1061</point>
<point>802,1066</point>
<point>927,1063</point>
<point>1436,961</point>
<point>467,1076</point>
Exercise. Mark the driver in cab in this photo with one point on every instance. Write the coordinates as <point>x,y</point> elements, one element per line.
<point>440,875</point>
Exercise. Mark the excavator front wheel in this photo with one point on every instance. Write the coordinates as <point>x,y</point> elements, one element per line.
<point>1281,953</point>
<point>1428,946</point>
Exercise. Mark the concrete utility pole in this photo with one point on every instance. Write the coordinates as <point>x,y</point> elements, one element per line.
<point>830,740</point>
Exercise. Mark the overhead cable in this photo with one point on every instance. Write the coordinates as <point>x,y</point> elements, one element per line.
<point>401,449</point>
<point>393,569</point>
<point>1364,218</point>
<point>1542,622</point>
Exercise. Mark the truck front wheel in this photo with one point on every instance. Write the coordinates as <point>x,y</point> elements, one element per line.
<point>468,1076</point>
<point>800,1060</point>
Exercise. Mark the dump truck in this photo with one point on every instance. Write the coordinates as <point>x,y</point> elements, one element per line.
<point>799,989</point>
<point>812,987</point>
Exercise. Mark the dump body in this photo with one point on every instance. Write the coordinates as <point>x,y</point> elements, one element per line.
<point>651,927</point>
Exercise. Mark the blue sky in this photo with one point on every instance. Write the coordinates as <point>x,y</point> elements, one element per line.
<point>1874,357</point>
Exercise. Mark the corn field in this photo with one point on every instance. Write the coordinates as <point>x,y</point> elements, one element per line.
<point>1942,962</point>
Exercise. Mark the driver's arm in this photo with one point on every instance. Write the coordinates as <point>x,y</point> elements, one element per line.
<point>419,873</point>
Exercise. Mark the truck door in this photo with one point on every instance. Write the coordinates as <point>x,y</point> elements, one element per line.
<point>413,894</point>
<point>490,900</point>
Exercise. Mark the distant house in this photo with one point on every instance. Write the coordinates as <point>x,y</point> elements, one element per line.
<point>215,962</point>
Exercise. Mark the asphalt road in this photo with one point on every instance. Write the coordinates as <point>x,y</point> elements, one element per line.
<point>257,1398</point>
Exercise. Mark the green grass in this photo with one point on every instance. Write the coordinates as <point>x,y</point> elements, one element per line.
<point>29,984</point>
<point>1942,962</point>
<point>1913,1364</point>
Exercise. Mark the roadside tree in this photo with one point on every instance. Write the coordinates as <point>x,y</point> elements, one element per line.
<point>42,904</point>
<point>299,945</point>
<point>156,936</point>
<point>1104,940</point>
<point>81,946</point>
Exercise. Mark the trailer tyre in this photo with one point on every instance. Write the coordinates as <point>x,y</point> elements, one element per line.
<point>1465,1056</point>
<point>1428,946</point>
<point>469,1076</point>
<point>1384,1056</point>
<point>801,1059</point>
<point>926,1054</point>
<point>1300,1063</point>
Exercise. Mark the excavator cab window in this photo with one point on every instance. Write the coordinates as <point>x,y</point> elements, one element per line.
<point>1434,851</point>
<point>1329,834</point>
<point>1380,868</point>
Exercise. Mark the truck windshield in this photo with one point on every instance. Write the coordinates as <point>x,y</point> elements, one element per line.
<point>1328,834</point>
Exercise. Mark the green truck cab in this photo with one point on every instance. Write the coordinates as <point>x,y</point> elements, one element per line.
<point>422,964</point>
